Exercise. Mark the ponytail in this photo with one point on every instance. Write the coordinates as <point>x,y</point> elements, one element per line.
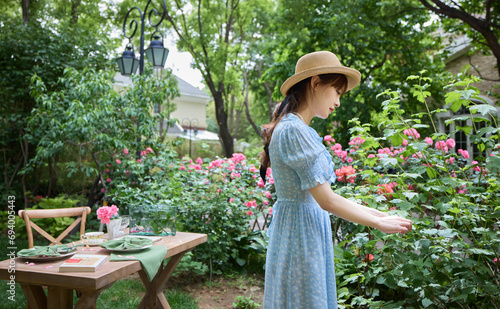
<point>287,106</point>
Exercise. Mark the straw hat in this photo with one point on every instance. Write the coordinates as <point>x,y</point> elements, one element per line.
<point>317,63</point>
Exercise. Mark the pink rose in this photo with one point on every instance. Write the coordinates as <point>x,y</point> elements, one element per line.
<point>118,161</point>
<point>268,194</point>
<point>429,140</point>
<point>108,180</point>
<point>450,142</point>
<point>199,160</point>
<point>261,183</point>
<point>464,153</point>
<point>125,151</point>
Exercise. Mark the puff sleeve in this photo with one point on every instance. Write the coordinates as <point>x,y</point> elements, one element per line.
<point>301,149</point>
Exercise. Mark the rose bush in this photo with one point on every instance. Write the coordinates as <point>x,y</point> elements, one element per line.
<point>448,260</point>
<point>221,197</point>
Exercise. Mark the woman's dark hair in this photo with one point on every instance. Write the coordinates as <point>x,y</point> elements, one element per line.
<point>290,104</point>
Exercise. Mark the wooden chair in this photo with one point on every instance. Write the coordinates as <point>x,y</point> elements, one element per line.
<point>27,215</point>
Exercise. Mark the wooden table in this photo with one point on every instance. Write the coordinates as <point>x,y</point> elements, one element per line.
<point>61,285</point>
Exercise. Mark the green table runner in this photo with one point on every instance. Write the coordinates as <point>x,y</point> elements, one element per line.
<point>151,258</point>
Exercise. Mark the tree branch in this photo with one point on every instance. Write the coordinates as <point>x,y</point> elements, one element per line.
<point>373,68</point>
<point>479,73</point>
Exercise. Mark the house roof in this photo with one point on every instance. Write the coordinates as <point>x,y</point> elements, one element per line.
<point>185,88</point>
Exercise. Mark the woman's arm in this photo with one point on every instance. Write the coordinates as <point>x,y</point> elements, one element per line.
<point>348,210</point>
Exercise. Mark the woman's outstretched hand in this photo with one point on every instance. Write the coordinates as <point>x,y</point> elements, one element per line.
<point>394,224</point>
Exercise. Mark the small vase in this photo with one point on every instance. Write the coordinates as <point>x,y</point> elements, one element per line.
<point>114,228</point>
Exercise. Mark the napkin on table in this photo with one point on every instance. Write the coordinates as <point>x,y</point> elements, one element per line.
<point>55,250</point>
<point>127,243</point>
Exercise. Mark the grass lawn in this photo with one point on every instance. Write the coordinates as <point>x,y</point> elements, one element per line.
<point>124,294</point>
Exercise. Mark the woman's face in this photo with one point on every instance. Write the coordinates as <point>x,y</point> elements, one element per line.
<point>325,99</point>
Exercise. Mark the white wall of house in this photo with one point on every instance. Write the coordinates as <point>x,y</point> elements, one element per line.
<point>190,106</point>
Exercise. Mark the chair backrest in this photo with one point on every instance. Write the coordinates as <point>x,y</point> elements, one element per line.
<point>28,214</point>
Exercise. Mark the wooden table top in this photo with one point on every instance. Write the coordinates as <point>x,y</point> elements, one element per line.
<point>108,273</point>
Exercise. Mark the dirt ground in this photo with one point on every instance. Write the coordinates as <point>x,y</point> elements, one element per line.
<point>221,293</point>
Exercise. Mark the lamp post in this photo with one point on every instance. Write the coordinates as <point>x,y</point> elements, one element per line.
<point>186,122</point>
<point>156,52</point>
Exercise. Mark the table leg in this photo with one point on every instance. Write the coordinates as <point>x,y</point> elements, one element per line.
<point>35,297</point>
<point>154,297</point>
<point>59,298</point>
<point>87,300</point>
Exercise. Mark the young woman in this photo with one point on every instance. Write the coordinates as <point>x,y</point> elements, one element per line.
<point>300,272</point>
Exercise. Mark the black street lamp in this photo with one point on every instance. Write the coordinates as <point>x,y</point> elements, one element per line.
<point>193,125</point>
<point>156,53</point>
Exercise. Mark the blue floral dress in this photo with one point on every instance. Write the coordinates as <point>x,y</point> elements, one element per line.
<point>300,272</point>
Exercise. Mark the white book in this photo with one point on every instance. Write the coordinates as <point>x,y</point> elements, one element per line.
<point>83,263</point>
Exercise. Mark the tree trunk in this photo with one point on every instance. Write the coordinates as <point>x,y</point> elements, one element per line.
<point>93,192</point>
<point>221,115</point>
<point>23,183</point>
<point>270,101</point>
<point>49,190</point>
<point>247,110</point>
<point>25,5</point>
<point>74,11</point>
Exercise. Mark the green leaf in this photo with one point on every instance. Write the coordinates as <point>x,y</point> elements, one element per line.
<point>456,105</point>
<point>483,109</point>
<point>389,161</point>
<point>426,302</point>
<point>452,96</point>
<point>410,195</point>
<point>431,172</point>
<point>493,163</point>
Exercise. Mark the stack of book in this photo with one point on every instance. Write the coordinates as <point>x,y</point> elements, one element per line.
<point>83,263</point>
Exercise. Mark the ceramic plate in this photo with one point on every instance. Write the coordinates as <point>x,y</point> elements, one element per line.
<point>128,250</point>
<point>48,257</point>
<point>97,242</point>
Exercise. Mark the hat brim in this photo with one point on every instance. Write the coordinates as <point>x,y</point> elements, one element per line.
<point>353,76</point>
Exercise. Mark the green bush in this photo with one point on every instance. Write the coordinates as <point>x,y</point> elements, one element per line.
<point>245,303</point>
<point>218,197</point>
<point>451,258</point>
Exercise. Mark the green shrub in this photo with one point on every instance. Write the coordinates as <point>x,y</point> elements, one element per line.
<point>218,198</point>
<point>451,258</point>
<point>245,303</point>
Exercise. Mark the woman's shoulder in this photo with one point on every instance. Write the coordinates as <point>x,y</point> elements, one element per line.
<point>292,126</point>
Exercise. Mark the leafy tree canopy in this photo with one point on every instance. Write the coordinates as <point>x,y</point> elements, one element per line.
<point>385,40</point>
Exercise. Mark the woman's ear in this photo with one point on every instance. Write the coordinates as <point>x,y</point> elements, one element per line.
<point>315,82</point>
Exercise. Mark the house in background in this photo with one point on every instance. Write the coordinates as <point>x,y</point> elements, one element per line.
<point>190,111</point>
<point>482,66</point>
